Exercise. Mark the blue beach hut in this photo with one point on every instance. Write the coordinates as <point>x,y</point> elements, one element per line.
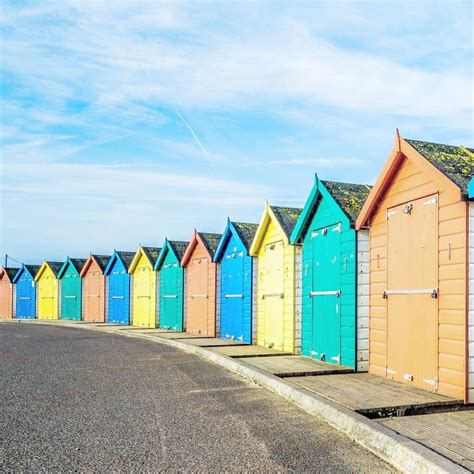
<point>25,292</point>
<point>117,282</point>
<point>235,281</point>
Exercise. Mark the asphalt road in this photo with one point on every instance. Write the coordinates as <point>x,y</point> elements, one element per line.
<point>77,400</point>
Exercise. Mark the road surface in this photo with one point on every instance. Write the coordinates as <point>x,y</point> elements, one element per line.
<point>73,399</point>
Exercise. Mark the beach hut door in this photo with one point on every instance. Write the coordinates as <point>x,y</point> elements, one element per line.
<point>93,296</point>
<point>412,303</point>
<point>233,293</point>
<point>199,279</point>
<point>326,294</point>
<point>24,297</point>
<point>274,295</point>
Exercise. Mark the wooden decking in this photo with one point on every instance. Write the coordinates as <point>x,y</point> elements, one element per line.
<point>295,366</point>
<point>369,394</point>
<point>450,434</point>
<point>241,352</point>
<point>177,335</point>
<point>212,342</point>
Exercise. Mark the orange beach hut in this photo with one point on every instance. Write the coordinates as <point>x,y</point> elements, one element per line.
<point>6,291</point>
<point>200,284</point>
<point>418,218</point>
<point>93,288</point>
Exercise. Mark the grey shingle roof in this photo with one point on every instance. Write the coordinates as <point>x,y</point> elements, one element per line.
<point>211,241</point>
<point>287,217</point>
<point>179,247</point>
<point>78,263</point>
<point>126,257</point>
<point>55,266</point>
<point>456,162</point>
<point>33,269</point>
<point>350,197</point>
<point>102,260</point>
<point>11,272</point>
<point>152,253</point>
<point>246,232</point>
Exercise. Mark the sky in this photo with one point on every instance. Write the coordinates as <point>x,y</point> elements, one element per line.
<point>123,123</point>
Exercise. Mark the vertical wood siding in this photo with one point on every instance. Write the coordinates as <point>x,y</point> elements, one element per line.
<point>254,298</point>
<point>274,234</point>
<point>219,301</point>
<point>410,184</point>
<point>363,300</point>
<point>471,306</point>
<point>298,297</point>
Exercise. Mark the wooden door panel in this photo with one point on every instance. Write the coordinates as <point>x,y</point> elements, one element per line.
<point>412,324</point>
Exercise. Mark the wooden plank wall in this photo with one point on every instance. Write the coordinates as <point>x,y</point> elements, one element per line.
<point>471,305</point>
<point>409,184</point>
<point>274,234</point>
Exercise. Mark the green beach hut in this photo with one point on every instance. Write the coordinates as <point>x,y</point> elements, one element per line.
<point>335,274</point>
<point>171,285</point>
<point>71,289</point>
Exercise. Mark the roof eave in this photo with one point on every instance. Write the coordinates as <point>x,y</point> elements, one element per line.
<point>401,150</point>
<point>307,214</point>
<point>228,231</point>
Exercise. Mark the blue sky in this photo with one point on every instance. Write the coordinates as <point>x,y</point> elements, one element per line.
<point>125,122</point>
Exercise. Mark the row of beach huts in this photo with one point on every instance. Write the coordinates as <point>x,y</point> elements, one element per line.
<point>378,279</point>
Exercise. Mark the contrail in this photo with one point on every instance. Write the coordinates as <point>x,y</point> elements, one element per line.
<point>193,133</point>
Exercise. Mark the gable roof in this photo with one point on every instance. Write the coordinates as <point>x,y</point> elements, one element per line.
<point>209,240</point>
<point>77,263</point>
<point>101,260</point>
<point>456,162</point>
<point>349,198</point>
<point>10,272</point>
<point>285,218</point>
<point>178,247</point>
<point>55,267</point>
<point>151,254</point>
<point>31,269</point>
<point>125,257</point>
<point>244,232</point>
<point>451,165</point>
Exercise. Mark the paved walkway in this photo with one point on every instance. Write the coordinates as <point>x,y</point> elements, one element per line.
<point>91,401</point>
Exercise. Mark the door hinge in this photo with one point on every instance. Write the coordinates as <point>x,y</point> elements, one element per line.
<point>336,358</point>
<point>389,371</point>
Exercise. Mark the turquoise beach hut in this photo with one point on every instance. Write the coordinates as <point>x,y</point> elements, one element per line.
<point>335,274</point>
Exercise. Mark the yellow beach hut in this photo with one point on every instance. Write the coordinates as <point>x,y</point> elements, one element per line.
<point>277,265</point>
<point>143,287</point>
<point>47,294</point>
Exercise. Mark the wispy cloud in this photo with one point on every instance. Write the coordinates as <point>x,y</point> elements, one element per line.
<point>262,96</point>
